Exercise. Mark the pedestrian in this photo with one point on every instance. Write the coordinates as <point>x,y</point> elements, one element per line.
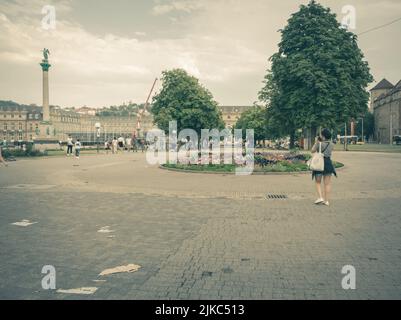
<point>114,145</point>
<point>70,143</point>
<point>106,146</point>
<point>120,143</point>
<point>325,146</point>
<point>77,148</point>
<point>128,143</point>
<point>2,159</point>
<point>135,143</point>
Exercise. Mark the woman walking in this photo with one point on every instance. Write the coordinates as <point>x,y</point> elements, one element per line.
<point>325,146</point>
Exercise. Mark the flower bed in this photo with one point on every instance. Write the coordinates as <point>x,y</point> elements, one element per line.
<point>263,162</point>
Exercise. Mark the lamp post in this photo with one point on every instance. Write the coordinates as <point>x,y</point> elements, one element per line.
<point>363,134</point>
<point>97,126</point>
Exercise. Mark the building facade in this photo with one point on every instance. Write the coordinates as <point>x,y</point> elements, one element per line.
<point>21,123</point>
<point>231,114</point>
<point>386,105</point>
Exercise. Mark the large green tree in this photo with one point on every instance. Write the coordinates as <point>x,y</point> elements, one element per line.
<point>254,118</point>
<point>318,77</point>
<point>184,99</point>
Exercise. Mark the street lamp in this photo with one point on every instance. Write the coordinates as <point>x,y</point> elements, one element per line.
<point>97,126</point>
<point>363,135</point>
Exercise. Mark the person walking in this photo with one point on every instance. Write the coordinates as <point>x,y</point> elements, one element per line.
<point>128,143</point>
<point>106,146</point>
<point>2,159</point>
<point>134,143</point>
<point>77,148</point>
<point>114,145</point>
<point>70,143</point>
<point>325,146</point>
<point>121,143</point>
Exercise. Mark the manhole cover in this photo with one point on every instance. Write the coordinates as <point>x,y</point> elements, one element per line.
<point>276,197</point>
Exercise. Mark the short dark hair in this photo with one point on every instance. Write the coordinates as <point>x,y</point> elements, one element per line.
<point>326,134</point>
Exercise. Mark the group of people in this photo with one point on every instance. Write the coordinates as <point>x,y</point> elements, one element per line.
<point>115,145</point>
<point>127,143</point>
<point>73,144</point>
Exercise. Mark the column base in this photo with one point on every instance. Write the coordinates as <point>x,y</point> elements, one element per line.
<point>46,144</point>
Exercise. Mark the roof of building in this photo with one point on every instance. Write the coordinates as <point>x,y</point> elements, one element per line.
<point>234,109</point>
<point>389,93</point>
<point>384,84</point>
<point>398,85</point>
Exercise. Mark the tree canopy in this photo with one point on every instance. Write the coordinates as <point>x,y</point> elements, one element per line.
<point>318,77</point>
<point>183,99</point>
<point>124,110</point>
<point>254,118</point>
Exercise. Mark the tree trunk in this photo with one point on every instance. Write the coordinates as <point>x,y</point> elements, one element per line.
<point>311,138</point>
<point>292,139</point>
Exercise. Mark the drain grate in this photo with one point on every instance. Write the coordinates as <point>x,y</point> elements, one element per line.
<point>276,197</point>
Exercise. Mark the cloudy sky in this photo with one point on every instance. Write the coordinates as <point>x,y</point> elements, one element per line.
<point>107,52</point>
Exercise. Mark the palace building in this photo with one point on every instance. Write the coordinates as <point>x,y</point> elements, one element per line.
<point>231,114</point>
<point>21,123</point>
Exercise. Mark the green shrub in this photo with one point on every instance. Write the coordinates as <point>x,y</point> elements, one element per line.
<point>29,152</point>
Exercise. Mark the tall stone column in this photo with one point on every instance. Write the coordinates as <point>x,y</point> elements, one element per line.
<point>45,70</point>
<point>45,139</point>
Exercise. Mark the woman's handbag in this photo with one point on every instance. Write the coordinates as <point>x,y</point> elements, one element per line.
<point>316,163</point>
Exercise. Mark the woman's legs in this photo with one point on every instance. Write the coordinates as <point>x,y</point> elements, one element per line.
<point>327,187</point>
<point>318,180</point>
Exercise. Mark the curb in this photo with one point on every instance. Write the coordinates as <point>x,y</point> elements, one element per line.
<point>254,173</point>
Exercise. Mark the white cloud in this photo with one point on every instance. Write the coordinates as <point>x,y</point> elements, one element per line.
<point>226,44</point>
<point>178,5</point>
<point>81,59</point>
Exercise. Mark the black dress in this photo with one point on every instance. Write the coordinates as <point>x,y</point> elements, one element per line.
<point>328,169</point>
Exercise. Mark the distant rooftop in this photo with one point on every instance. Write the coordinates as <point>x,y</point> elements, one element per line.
<point>384,84</point>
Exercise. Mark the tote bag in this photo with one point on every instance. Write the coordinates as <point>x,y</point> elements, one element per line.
<point>316,163</point>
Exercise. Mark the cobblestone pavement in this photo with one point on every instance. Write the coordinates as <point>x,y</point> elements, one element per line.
<point>197,235</point>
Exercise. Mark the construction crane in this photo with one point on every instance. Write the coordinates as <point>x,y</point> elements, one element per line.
<point>143,111</point>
